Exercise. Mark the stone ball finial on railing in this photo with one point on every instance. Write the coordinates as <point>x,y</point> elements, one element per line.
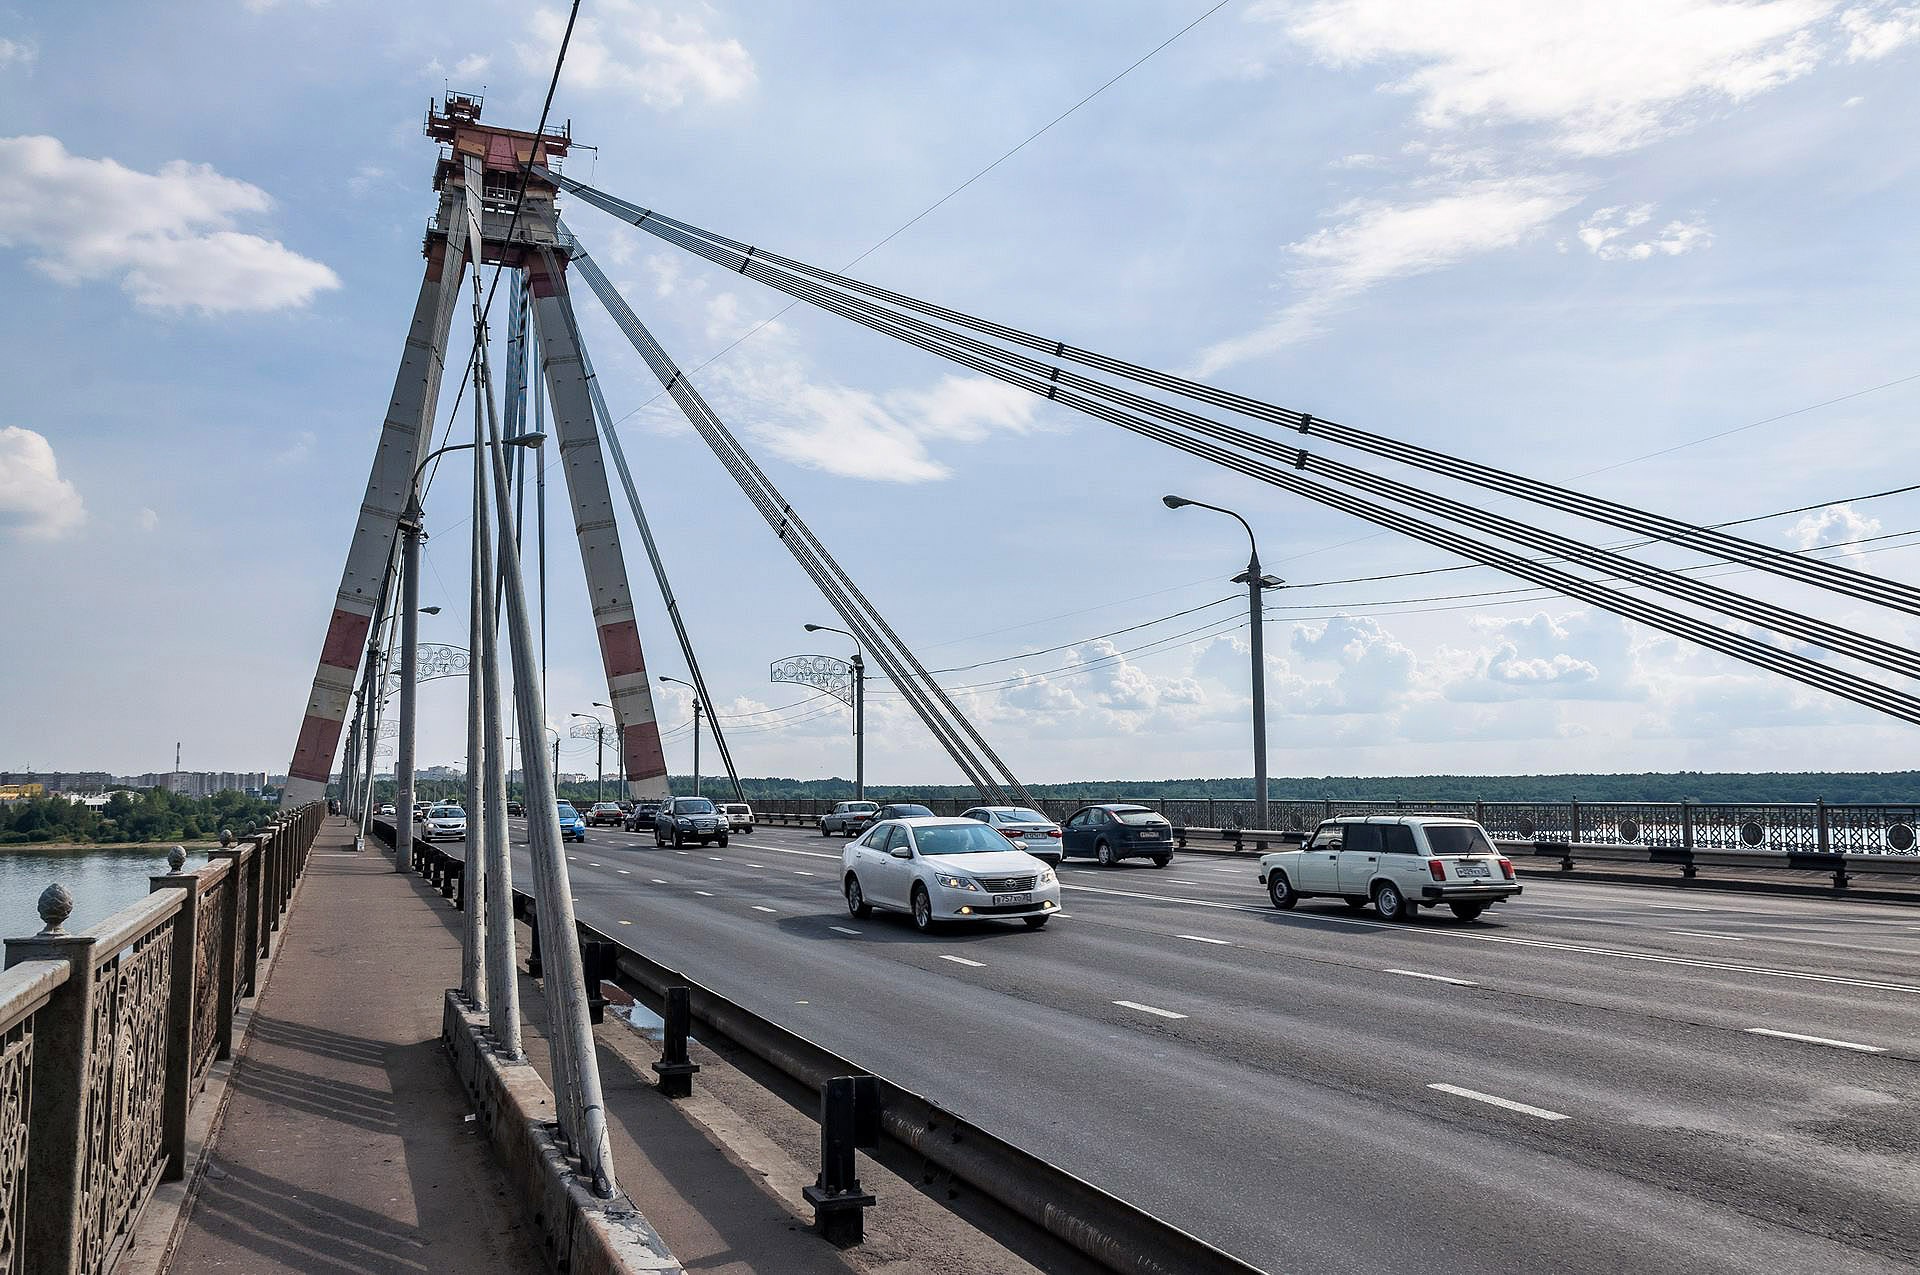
<point>177,858</point>
<point>226,838</point>
<point>56,905</point>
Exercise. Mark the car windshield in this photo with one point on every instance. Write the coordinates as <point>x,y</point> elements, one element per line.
<point>858,807</point>
<point>736,809</point>
<point>446,812</point>
<point>693,806</point>
<point>1020,814</point>
<point>606,805</point>
<point>970,838</point>
<point>1137,817</point>
<point>567,811</point>
<point>909,812</point>
<point>1455,838</point>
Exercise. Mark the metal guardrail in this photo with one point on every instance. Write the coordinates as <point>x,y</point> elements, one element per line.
<point>106,1038</point>
<point>1801,828</point>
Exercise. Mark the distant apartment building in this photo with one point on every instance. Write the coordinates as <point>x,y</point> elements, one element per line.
<point>199,783</point>
<point>58,780</point>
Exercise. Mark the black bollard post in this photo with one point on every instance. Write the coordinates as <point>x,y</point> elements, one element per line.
<point>596,964</point>
<point>674,1069</point>
<point>533,944</point>
<point>849,1118</point>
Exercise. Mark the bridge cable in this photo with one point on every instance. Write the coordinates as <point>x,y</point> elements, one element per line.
<point>1787,663</point>
<point>1056,385</point>
<point>949,726</point>
<point>1821,574</point>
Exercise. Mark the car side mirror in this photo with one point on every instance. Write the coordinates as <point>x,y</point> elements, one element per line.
<point>901,852</point>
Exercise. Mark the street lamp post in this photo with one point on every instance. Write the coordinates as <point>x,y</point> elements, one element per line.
<point>696,727</point>
<point>1256,583</point>
<point>413,531</point>
<point>859,708</point>
<point>599,750</point>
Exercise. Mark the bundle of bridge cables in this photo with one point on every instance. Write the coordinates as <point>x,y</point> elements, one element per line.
<point>1048,368</point>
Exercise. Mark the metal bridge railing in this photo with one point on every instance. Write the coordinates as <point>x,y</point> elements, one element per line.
<point>107,1035</point>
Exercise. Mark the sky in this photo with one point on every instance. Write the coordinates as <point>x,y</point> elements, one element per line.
<point>1661,250</point>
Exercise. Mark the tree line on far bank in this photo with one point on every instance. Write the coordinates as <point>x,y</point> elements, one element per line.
<point>151,814</point>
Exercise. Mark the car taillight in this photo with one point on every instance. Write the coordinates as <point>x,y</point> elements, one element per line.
<point>1506,868</point>
<point>1053,832</point>
<point>1011,836</point>
<point>1436,869</point>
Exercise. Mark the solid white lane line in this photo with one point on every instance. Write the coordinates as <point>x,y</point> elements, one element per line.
<point>1680,907</point>
<point>758,908</point>
<point>704,893</point>
<point>1437,978</point>
<point>961,960</point>
<point>1493,1100</point>
<point>1201,938</point>
<point>1178,881</point>
<point>842,929</point>
<point>1702,934</point>
<point>1624,954</point>
<point>811,854</point>
<point>1148,1009</point>
<point>1818,1040</point>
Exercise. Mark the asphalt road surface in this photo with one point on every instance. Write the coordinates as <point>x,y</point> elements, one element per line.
<point>1593,1078</point>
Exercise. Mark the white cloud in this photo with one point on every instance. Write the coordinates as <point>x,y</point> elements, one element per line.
<point>1875,30</point>
<point>637,50</point>
<point>167,236</point>
<point>34,500</point>
<point>1599,79</point>
<point>1379,241</point>
<point>17,53</point>
<point>1607,235</point>
<point>365,178</point>
<point>1836,524</point>
<point>298,448</point>
<point>464,72</point>
<point>147,519</point>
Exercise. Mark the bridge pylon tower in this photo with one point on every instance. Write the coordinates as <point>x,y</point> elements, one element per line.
<point>519,229</point>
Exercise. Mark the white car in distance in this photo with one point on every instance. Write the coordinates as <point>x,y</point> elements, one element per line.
<point>444,823</point>
<point>1398,863</point>
<point>738,814</point>
<point>939,869</point>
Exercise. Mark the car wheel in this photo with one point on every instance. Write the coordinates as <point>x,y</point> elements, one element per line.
<point>678,840</point>
<point>1280,890</point>
<point>1467,911</point>
<point>857,904</point>
<point>1037,922</point>
<point>723,843</point>
<point>1162,860</point>
<point>1390,903</point>
<point>824,832</point>
<point>922,909</point>
<point>1104,853</point>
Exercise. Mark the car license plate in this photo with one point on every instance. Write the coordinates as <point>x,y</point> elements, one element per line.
<point>1011,900</point>
<point>1472,869</point>
<point>1150,834</point>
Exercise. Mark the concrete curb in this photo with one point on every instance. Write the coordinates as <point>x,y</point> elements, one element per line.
<point>580,1233</point>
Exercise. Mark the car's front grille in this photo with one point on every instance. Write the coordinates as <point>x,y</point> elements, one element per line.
<point>1001,885</point>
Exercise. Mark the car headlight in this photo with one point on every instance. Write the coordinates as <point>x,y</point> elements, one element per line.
<point>956,883</point>
<point>686,823</point>
<point>1046,876</point>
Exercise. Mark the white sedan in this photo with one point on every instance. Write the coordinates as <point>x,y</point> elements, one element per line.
<point>937,869</point>
<point>444,823</point>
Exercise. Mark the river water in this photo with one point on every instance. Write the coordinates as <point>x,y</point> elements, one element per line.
<point>101,881</point>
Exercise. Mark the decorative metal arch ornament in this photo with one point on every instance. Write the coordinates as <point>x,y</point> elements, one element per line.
<point>606,731</point>
<point>431,662</point>
<point>822,672</point>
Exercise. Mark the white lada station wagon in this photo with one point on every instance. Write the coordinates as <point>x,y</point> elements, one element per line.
<point>1398,863</point>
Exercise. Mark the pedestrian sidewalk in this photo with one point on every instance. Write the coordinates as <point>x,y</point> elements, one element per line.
<point>347,1147</point>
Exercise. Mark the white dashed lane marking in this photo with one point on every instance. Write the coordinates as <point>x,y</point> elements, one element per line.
<point>1438,978</point>
<point>1702,934</point>
<point>842,929</point>
<point>1818,1040</point>
<point>758,908</point>
<point>961,960</point>
<point>1148,1009</point>
<point>1200,938</point>
<point>1525,1109</point>
<point>704,893</point>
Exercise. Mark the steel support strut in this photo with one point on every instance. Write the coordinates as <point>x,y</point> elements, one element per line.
<point>643,761</point>
<point>403,441</point>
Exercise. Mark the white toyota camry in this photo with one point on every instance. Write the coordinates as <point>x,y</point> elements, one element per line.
<point>938,870</point>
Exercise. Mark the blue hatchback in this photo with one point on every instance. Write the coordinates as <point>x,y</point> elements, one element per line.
<point>572,826</point>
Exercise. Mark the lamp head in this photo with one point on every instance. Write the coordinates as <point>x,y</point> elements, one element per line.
<point>811,628</point>
<point>429,610</point>
<point>524,440</point>
<point>1174,502</point>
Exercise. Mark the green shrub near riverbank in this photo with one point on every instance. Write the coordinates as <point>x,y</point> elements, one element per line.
<point>150,815</point>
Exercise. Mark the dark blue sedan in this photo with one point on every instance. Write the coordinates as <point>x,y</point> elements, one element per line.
<point>1116,832</point>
